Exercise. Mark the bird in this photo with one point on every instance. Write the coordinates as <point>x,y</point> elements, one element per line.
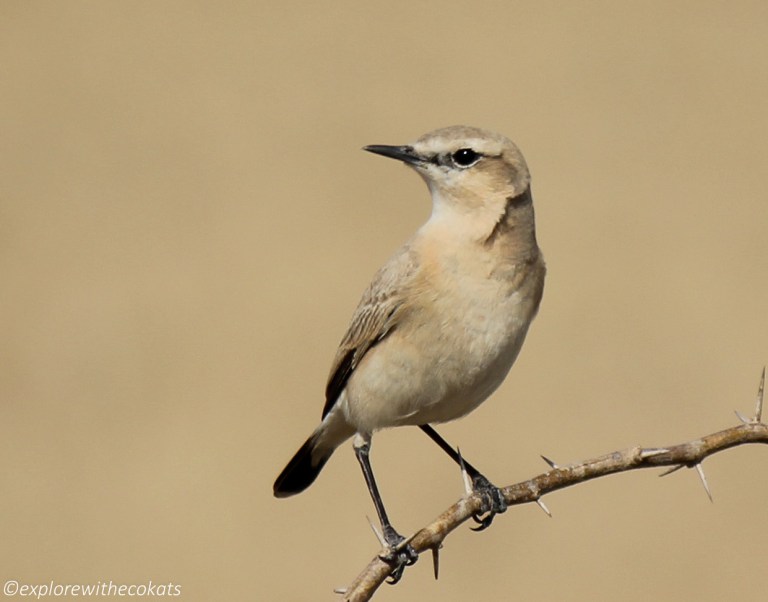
<point>442,321</point>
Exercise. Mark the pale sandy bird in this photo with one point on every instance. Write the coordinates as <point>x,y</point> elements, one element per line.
<point>442,322</point>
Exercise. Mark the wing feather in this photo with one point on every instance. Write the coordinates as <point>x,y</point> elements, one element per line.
<point>376,316</point>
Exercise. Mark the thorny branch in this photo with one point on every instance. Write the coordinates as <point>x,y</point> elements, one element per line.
<point>684,455</point>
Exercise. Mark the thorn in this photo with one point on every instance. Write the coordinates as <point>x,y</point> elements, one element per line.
<point>700,470</point>
<point>377,533</point>
<point>671,470</point>
<point>742,418</point>
<point>543,506</point>
<point>550,462</point>
<point>468,489</point>
<point>436,559</point>
<point>758,417</point>
<point>759,403</point>
<point>403,544</point>
<point>650,453</point>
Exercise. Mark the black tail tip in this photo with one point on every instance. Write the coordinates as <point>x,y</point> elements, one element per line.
<point>300,472</point>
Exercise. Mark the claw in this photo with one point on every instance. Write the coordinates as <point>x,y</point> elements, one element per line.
<point>399,560</point>
<point>483,522</point>
<point>493,502</point>
<point>396,574</point>
<point>399,555</point>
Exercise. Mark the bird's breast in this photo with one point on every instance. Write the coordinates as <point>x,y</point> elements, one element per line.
<point>453,346</point>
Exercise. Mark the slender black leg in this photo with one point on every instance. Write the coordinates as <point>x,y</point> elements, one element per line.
<point>399,556</point>
<point>492,496</point>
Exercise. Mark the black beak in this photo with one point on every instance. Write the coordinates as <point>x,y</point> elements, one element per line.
<point>406,154</point>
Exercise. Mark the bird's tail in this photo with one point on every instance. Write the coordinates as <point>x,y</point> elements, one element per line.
<point>307,463</point>
<point>301,471</point>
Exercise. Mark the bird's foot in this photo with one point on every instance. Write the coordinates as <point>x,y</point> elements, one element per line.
<point>493,502</point>
<point>399,554</point>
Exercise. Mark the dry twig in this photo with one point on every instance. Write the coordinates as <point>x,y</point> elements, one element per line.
<point>684,455</point>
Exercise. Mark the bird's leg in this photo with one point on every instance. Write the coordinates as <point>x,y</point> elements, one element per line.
<point>493,499</point>
<point>400,553</point>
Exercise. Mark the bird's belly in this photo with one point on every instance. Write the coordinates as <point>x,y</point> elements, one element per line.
<point>430,373</point>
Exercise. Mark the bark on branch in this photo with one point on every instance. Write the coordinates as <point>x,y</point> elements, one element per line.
<point>684,455</point>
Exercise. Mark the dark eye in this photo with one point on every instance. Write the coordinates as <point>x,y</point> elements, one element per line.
<point>465,157</point>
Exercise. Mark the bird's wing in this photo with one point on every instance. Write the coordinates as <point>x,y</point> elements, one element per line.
<point>376,316</point>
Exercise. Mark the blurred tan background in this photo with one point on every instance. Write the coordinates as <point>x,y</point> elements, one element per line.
<point>187,222</point>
